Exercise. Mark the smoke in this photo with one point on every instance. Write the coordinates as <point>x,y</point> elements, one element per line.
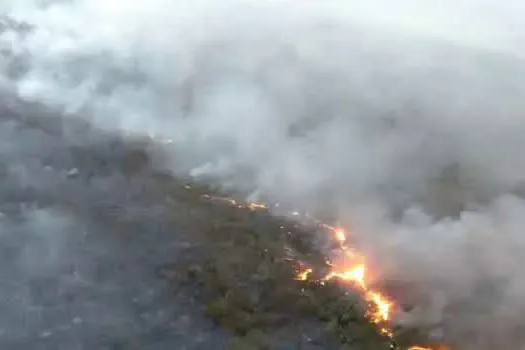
<point>405,119</point>
<point>81,241</point>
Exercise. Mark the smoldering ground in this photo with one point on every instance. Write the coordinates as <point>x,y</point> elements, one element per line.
<point>405,121</point>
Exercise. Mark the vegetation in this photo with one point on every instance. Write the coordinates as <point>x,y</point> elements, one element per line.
<point>246,275</point>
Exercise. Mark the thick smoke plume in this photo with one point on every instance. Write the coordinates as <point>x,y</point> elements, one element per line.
<point>404,120</point>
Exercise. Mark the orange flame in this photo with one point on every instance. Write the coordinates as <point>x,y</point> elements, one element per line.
<point>355,274</point>
<point>380,307</point>
<point>303,275</point>
<point>381,313</point>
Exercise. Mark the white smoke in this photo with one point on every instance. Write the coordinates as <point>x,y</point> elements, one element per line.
<point>407,115</point>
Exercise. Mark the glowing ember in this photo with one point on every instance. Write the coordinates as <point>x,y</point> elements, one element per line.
<point>303,275</point>
<point>386,332</point>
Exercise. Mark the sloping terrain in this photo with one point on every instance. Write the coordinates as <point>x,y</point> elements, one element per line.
<point>89,237</point>
<point>102,249</point>
<point>85,227</point>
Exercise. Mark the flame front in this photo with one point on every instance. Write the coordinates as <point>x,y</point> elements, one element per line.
<point>355,274</point>
<point>380,307</point>
<point>381,313</point>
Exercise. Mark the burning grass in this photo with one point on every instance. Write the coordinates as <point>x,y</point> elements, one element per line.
<point>261,278</point>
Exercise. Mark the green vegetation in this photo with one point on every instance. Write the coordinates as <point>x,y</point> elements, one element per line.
<point>246,277</point>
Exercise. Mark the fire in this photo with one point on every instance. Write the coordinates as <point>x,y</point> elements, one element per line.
<point>256,205</point>
<point>386,332</point>
<point>339,232</point>
<point>355,274</point>
<point>340,235</point>
<point>303,275</point>
<point>380,307</point>
<point>383,307</point>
